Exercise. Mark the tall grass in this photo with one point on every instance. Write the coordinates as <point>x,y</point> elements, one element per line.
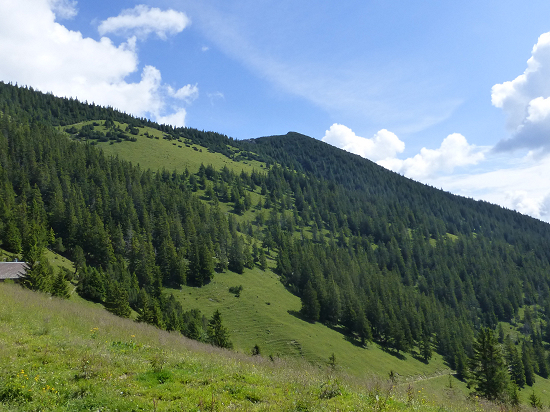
<point>63,356</point>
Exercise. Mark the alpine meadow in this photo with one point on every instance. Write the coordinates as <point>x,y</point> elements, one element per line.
<point>178,269</point>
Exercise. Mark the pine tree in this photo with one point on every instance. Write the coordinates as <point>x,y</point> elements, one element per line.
<point>91,284</point>
<point>310,305</point>
<point>217,333</point>
<point>426,348</point>
<point>526,359</point>
<point>117,301</point>
<point>515,365</point>
<point>363,328</point>
<point>60,288</point>
<point>487,369</point>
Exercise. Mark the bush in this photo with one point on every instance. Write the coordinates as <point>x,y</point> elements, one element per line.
<point>236,290</point>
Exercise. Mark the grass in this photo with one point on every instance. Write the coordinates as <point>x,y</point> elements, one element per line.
<point>266,314</point>
<point>157,153</point>
<point>63,356</point>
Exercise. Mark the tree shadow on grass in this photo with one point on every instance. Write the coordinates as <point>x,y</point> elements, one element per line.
<point>419,358</point>
<point>392,352</point>
<point>298,315</point>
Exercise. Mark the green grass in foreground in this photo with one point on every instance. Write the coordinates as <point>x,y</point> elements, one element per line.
<point>64,356</point>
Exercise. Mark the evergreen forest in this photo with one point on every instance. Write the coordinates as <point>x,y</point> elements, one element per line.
<point>381,258</point>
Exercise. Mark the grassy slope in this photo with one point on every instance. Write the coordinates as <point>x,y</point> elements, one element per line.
<point>156,154</point>
<point>275,326</point>
<point>63,356</point>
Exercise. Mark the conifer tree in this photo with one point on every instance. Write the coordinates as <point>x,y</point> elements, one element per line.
<point>487,369</point>
<point>91,284</point>
<point>116,301</point>
<point>426,348</point>
<point>461,364</point>
<point>363,328</point>
<point>527,361</point>
<point>310,305</point>
<point>60,288</point>
<point>12,237</point>
<point>515,365</point>
<point>262,260</point>
<point>217,333</point>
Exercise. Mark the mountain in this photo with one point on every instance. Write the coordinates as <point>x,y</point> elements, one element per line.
<point>371,254</point>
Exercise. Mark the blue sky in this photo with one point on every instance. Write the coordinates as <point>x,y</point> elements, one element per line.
<point>453,94</point>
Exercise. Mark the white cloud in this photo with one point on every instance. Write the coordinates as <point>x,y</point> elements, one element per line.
<point>517,186</point>
<point>526,102</point>
<point>454,152</point>
<point>142,20</point>
<point>175,119</point>
<point>188,92</point>
<point>382,145</point>
<point>64,9</point>
<point>37,51</point>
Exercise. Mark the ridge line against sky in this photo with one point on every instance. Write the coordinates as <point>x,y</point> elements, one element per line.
<point>447,94</point>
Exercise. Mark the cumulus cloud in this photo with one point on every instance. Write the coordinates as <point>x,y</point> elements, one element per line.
<point>64,9</point>
<point>382,145</point>
<point>37,51</point>
<point>455,151</point>
<point>526,102</point>
<point>142,20</point>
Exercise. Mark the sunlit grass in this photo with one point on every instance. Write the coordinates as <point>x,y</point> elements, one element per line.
<point>64,356</point>
<point>156,153</point>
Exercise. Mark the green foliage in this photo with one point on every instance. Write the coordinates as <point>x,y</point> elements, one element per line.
<point>310,304</point>
<point>370,253</point>
<point>60,288</point>
<point>116,300</point>
<point>236,290</point>
<point>487,369</point>
<point>534,401</point>
<point>91,285</point>
<point>217,333</point>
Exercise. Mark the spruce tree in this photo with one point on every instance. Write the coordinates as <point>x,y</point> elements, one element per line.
<point>217,333</point>
<point>527,361</point>
<point>262,261</point>
<point>117,300</point>
<point>60,288</point>
<point>487,369</point>
<point>91,284</point>
<point>515,365</point>
<point>426,348</point>
<point>363,328</point>
<point>310,304</point>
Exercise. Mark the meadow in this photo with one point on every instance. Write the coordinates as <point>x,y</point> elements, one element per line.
<point>64,356</point>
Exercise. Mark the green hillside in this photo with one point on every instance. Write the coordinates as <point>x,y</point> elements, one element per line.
<point>335,255</point>
<point>153,150</point>
<point>63,356</point>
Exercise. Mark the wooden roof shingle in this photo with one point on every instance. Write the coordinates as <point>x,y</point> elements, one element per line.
<point>13,270</point>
